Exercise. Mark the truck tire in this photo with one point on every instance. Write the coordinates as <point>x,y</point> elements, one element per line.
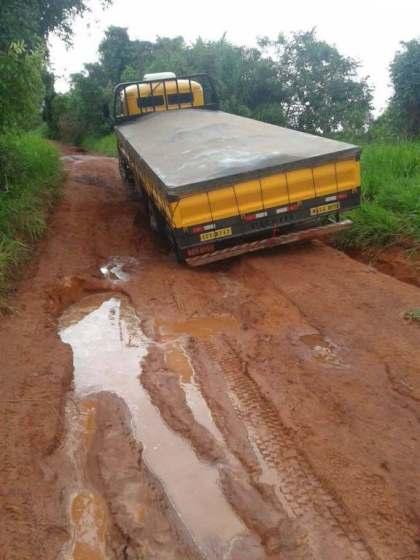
<point>178,255</point>
<point>127,178</point>
<point>160,227</point>
<point>156,220</point>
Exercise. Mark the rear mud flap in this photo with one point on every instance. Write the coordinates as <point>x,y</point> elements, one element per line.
<point>311,233</point>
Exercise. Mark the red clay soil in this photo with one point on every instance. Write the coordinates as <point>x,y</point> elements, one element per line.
<point>292,376</point>
<point>400,261</point>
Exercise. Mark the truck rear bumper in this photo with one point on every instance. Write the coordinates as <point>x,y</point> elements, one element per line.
<point>249,247</point>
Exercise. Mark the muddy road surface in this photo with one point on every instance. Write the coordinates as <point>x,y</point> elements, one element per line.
<point>262,408</point>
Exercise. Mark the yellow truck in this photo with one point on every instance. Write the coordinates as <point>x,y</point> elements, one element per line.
<point>218,185</point>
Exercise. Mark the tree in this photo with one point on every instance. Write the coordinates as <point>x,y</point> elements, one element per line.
<point>322,91</point>
<point>21,88</point>
<point>24,28</point>
<point>405,75</point>
<point>299,82</point>
<point>115,54</point>
<point>32,21</point>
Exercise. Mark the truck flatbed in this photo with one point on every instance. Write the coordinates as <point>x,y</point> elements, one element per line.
<point>192,150</point>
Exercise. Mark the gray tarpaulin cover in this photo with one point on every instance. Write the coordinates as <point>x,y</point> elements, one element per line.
<point>193,149</point>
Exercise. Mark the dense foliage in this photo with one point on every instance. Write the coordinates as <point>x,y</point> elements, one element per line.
<point>29,165</point>
<point>298,81</point>
<point>24,78</point>
<point>21,88</point>
<point>391,196</point>
<point>29,175</point>
<point>405,104</point>
<point>32,20</point>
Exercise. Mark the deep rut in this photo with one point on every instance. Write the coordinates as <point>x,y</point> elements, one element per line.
<point>329,532</point>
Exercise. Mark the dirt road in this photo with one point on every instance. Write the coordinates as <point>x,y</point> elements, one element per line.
<point>263,408</point>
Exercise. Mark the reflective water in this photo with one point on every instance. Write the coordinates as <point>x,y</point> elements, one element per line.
<point>108,348</point>
<point>179,363</point>
<point>118,268</point>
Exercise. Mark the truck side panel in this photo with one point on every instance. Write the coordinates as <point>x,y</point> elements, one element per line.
<point>267,193</point>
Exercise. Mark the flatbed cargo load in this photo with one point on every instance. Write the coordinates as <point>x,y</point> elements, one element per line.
<point>191,151</point>
<point>216,182</point>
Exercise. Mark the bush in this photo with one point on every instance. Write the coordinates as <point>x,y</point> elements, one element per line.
<point>30,173</point>
<point>106,145</point>
<point>391,196</point>
<point>21,88</point>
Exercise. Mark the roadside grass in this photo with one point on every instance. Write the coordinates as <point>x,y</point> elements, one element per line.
<point>105,145</point>
<point>30,174</point>
<point>413,315</point>
<point>390,211</point>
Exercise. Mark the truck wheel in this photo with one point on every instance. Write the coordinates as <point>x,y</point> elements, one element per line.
<point>128,178</point>
<point>178,255</point>
<point>153,220</point>
<point>156,220</point>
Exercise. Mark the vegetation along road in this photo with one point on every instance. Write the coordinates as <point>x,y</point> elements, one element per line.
<point>158,411</point>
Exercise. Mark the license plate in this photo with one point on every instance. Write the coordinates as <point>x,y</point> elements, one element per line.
<point>224,232</point>
<point>325,208</point>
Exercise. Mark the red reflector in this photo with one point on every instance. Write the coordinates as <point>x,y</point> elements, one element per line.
<point>250,217</point>
<point>342,196</point>
<point>293,207</point>
<point>197,229</point>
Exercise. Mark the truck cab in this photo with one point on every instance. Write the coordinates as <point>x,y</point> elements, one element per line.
<point>161,91</point>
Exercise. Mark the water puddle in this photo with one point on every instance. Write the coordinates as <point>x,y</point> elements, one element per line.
<point>119,268</point>
<point>322,349</point>
<point>80,158</point>
<point>179,363</point>
<point>200,327</point>
<point>108,347</point>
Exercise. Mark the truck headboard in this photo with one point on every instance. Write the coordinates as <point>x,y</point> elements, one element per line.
<point>134,99</point>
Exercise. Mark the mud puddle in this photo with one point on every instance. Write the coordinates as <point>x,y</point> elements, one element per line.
<point>108,348</point>
<point>119,268</point>
<point>322,349</point>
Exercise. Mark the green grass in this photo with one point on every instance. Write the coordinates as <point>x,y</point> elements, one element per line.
<point>106,145</point>
<point>30,173</point>
<point>413,315</point>
<point>390,209</point>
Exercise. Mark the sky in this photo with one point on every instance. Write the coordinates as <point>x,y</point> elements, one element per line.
<point>369,31</point>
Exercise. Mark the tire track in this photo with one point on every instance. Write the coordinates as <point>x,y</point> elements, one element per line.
<point>329,532</point>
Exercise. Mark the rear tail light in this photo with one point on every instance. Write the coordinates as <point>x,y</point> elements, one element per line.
<point>342,196</point>
<point>200,229</point>
<point>256,216</point>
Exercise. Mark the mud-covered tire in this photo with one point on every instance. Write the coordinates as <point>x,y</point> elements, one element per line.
<point>156,220</point>
<point>177,252</point>
<point>128,180</point>
<point>159,225</point>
